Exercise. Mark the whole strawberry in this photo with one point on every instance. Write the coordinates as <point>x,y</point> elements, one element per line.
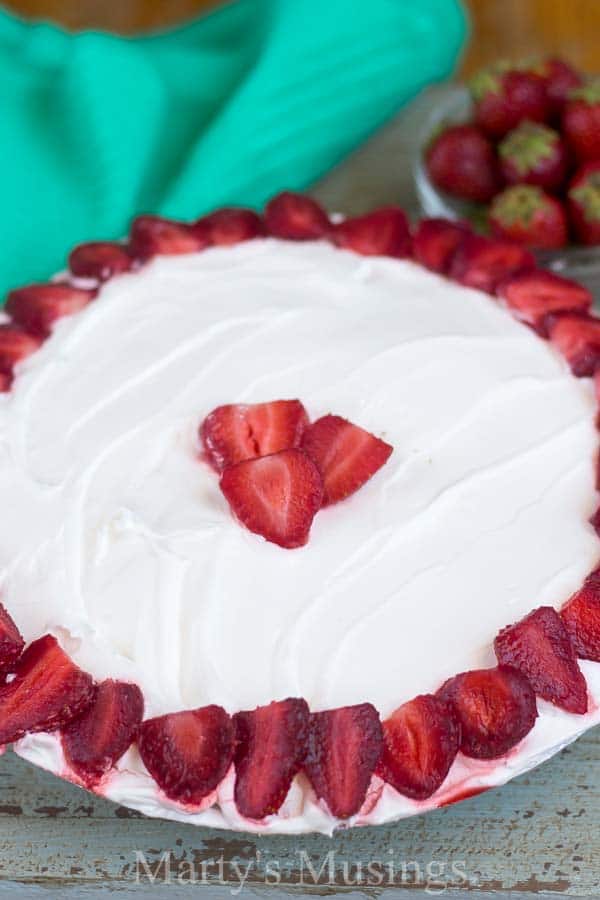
<point>534,154</point>
<point>505,97</point>
<point>561,78</point>
<point>581,121</point>
<point>462,161</point>
<point>584,203</point>
<point>526,214</point>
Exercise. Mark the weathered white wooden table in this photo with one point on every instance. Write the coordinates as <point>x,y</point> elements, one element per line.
<point>539,834</point>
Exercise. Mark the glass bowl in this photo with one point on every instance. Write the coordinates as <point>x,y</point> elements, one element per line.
<point>451,104</point>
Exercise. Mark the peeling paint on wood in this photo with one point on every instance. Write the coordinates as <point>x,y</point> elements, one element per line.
<point>538,834</point>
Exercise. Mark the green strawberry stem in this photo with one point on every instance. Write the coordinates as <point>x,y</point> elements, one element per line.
<point>588,195</point>
<point>517,205</point>
<point>528,145</point>
<point>588,92</point>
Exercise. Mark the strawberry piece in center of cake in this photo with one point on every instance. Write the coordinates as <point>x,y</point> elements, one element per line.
<point>278,470</point>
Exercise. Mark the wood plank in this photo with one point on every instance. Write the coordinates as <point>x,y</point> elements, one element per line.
<point>539,833</point>
<point>123,17</point>
<point>501,28</point>
<point>520,29</point>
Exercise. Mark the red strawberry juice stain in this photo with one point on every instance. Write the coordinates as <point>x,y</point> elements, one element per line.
<point>463,794</point>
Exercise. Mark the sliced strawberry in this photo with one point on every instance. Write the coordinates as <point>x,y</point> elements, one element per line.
<point>276,496</point>
<point>383,232</point>
<point>270,750</point>
<point>482,263</point>
<point>578,339</point>
<point>152,235</point>
<point>296,217</point>
<point>48,690</point>
<point>421,740</point>
<point>495,709</point>
<point>533,296</point>
<point>188,753</point>
<point>229,226</point>
<point>581,617</point>
<point>15,344</point>
<point>540,648</point>
<point>241,431</point>
<point>6,381</point>
<point>11,642</point>
<point>347,456</point>
<point>344,747</point>
<point>98,738</point>
<point>435,242</point>
<point>37,306</point>
<point>100,260</point>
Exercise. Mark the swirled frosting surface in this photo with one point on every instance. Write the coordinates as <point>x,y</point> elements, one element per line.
<point>118,531</point>
<point>115,535</point>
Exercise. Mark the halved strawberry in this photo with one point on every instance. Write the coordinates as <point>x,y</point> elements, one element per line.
<point>578,339</point>
<point>495,709</point>
<point>581,617</point>
<point>383,232</point>
<point>152,235</point>
<point>435,242</point>
<point>37,306</point>
<point>241,431</point>
<point>15,344</point>
<point>11,642</point>
<point>48,690</point>
<point>483,263</point>
<point>229,226</point>
<point>421,739</point>
<point>540,648</point>
<point>188,753</point>
<point>296,217</point>
<point>276,496</point>
<point>344,747</point>
<point>270,750</point>
<point>100,260</point>
<point>98,738</point>
<point>347,456</point>
<point>533,296</point>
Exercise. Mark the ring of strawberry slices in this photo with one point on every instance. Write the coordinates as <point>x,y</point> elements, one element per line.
<point>482,714</point>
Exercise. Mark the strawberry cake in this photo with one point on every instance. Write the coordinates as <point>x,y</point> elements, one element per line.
<point>300,517</point>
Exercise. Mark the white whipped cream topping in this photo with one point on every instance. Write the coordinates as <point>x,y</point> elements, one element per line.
<point>116,537</point>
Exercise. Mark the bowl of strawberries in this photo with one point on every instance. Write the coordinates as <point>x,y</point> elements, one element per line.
<point>516,153</point>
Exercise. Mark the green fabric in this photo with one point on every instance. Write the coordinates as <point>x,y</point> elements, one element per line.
<point>258,96</point>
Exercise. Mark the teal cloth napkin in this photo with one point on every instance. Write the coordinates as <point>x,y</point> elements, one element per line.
<point>258,96</point>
